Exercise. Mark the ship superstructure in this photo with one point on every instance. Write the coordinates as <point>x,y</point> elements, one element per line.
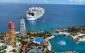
<point>34,13</point>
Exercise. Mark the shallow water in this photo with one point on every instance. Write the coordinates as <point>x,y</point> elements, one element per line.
<point>70,45</point>
<point>55,16</point>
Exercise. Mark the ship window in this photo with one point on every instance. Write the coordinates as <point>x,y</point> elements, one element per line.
<point>32,14</point>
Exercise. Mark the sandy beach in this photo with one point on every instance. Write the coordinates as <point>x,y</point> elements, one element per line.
<point>49,45</point>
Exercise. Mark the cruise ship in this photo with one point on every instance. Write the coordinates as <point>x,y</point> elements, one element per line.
<point>34,13</point>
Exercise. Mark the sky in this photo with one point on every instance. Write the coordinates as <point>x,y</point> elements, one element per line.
<point>44,1</point>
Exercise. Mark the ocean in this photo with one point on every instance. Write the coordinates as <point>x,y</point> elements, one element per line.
<point>56,15</point>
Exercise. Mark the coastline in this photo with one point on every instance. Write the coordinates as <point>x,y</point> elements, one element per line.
<point>49,44</point>
<point>78,37</point>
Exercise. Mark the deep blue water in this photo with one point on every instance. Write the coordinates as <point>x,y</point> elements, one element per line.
<point>55,16</point>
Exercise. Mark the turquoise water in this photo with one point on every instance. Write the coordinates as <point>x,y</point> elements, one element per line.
<point>62,43</point>
<point>55,16</point>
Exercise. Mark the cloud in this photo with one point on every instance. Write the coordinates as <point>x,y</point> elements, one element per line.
<point>44,1</point>
<point>9,1</point>
<point>76,1</point>
<point>24,1</point>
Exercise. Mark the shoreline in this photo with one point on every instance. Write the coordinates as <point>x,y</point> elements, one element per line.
<point>78,38</point>
<point>49,44</point>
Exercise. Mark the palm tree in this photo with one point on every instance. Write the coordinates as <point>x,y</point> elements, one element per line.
<point>73,29</point>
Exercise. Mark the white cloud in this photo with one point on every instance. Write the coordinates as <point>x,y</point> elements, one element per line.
<point>76,1</point>
<point>24,1</point>
<point>7,1</point>
<point>45,1</point>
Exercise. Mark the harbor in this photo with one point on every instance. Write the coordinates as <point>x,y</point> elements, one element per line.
<point>23,41</point>
<point>55,32</point>
<point>32,41</point>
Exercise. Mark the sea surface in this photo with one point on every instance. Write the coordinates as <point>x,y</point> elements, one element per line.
<point>55,16</point>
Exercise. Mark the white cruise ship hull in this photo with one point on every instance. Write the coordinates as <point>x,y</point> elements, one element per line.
<point>34,13</point>
<point>31,18</point>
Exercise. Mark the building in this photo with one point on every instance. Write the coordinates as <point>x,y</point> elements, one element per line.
<point>22,27</point>
<point>12,34</point>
